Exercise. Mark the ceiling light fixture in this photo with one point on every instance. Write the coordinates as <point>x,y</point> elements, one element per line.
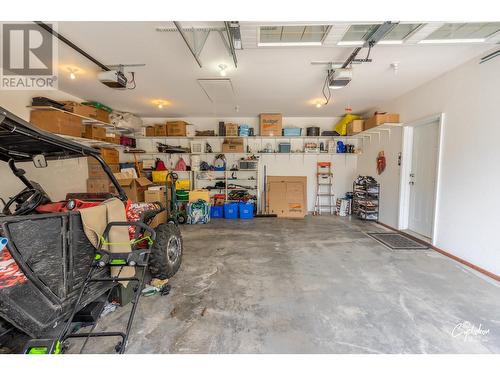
<point>160,103</point>
<point>351,43</point>
<point>318,105</point>
<point>454,41</point>
<point>290,44</point>
<point>389,42</point>
<point>72,72</point>
<point>222,69</point>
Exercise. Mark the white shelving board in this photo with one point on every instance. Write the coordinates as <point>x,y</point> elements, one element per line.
<point>90,142</point>
<point>252,144</point>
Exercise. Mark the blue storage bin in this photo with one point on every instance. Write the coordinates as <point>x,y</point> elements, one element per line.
<point>292,132</point>
<point>230,210</point>
<point>217,212</point>
<point>246,210</point>
<point>284,147</point>
<point>244,130</point>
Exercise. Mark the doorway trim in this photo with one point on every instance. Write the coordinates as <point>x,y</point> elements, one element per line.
<point>406,159</point>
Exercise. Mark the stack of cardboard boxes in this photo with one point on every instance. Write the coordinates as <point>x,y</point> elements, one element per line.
<point>170,129</point>
<point>72,123</point>
<point>98,181</point>
<point>286,196</point>
<point>357,126</point>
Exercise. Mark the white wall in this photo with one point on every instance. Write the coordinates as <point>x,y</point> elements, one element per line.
<point>277,165</point>
<point>390,143</point>
<point>469,199</point>
<point>70,175</point>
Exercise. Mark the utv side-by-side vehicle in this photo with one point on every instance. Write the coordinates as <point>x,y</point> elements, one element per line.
<point>49,267</point>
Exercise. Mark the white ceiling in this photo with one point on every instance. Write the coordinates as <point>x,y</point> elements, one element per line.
<point>268,79</point>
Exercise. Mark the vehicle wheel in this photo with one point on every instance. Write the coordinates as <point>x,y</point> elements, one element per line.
<point>166,252</point>
<point>182,218</point>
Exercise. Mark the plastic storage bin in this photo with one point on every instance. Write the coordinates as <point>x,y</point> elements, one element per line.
<point>217,212</point>
<point>246,210</point>
<point>292,132</point>
<point>284,147</point>
<point>231,210</point>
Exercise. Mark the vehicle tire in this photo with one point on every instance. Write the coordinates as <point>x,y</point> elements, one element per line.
<point>166,252</point>
<point>182,218</point>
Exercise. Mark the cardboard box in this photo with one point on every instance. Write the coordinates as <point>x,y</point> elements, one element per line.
<point>102,115</point>
<point>381,118</point>
<point>149,131</point>
<point>154,196</point>
<point>109,155</point>
<point>231,130</point>
<point>134,187</point>
<point>114,140</point>
<point>176,128</point>
<point>287,196</point>
<point>94,132</point>
<point>96,170</point>
<point>355,127</point>
<point>233,145</point>
<point>99,185</point>
<point>57,122</point>
<point>160,130</point>
<point>80,109</point>
<point>271,124</point>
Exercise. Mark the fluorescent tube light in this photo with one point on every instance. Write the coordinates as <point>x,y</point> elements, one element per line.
<point>390,42</point>
<point>291,44</point>
<point>351,43</point>
<point>446,41</point>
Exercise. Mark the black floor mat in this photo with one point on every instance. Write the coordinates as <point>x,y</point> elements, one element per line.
<point>397,241</point>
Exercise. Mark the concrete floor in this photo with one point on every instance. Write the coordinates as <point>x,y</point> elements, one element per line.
<point>318,285</point>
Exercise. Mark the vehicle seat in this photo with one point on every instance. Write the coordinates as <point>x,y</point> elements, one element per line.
<point>95,219</point>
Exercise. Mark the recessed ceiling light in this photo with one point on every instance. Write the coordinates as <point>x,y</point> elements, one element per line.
<point>318,105</point>
<point>445,41</point>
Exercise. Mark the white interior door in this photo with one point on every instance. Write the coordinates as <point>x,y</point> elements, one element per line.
<point>423,178</point>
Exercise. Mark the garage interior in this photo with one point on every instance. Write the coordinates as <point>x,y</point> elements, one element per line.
<point>335,183</point>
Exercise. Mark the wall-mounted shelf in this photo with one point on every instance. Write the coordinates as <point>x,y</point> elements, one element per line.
<point>90,142</point>
<point>377,130</point>
<point>251,137</point>
<point>253,153</point>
